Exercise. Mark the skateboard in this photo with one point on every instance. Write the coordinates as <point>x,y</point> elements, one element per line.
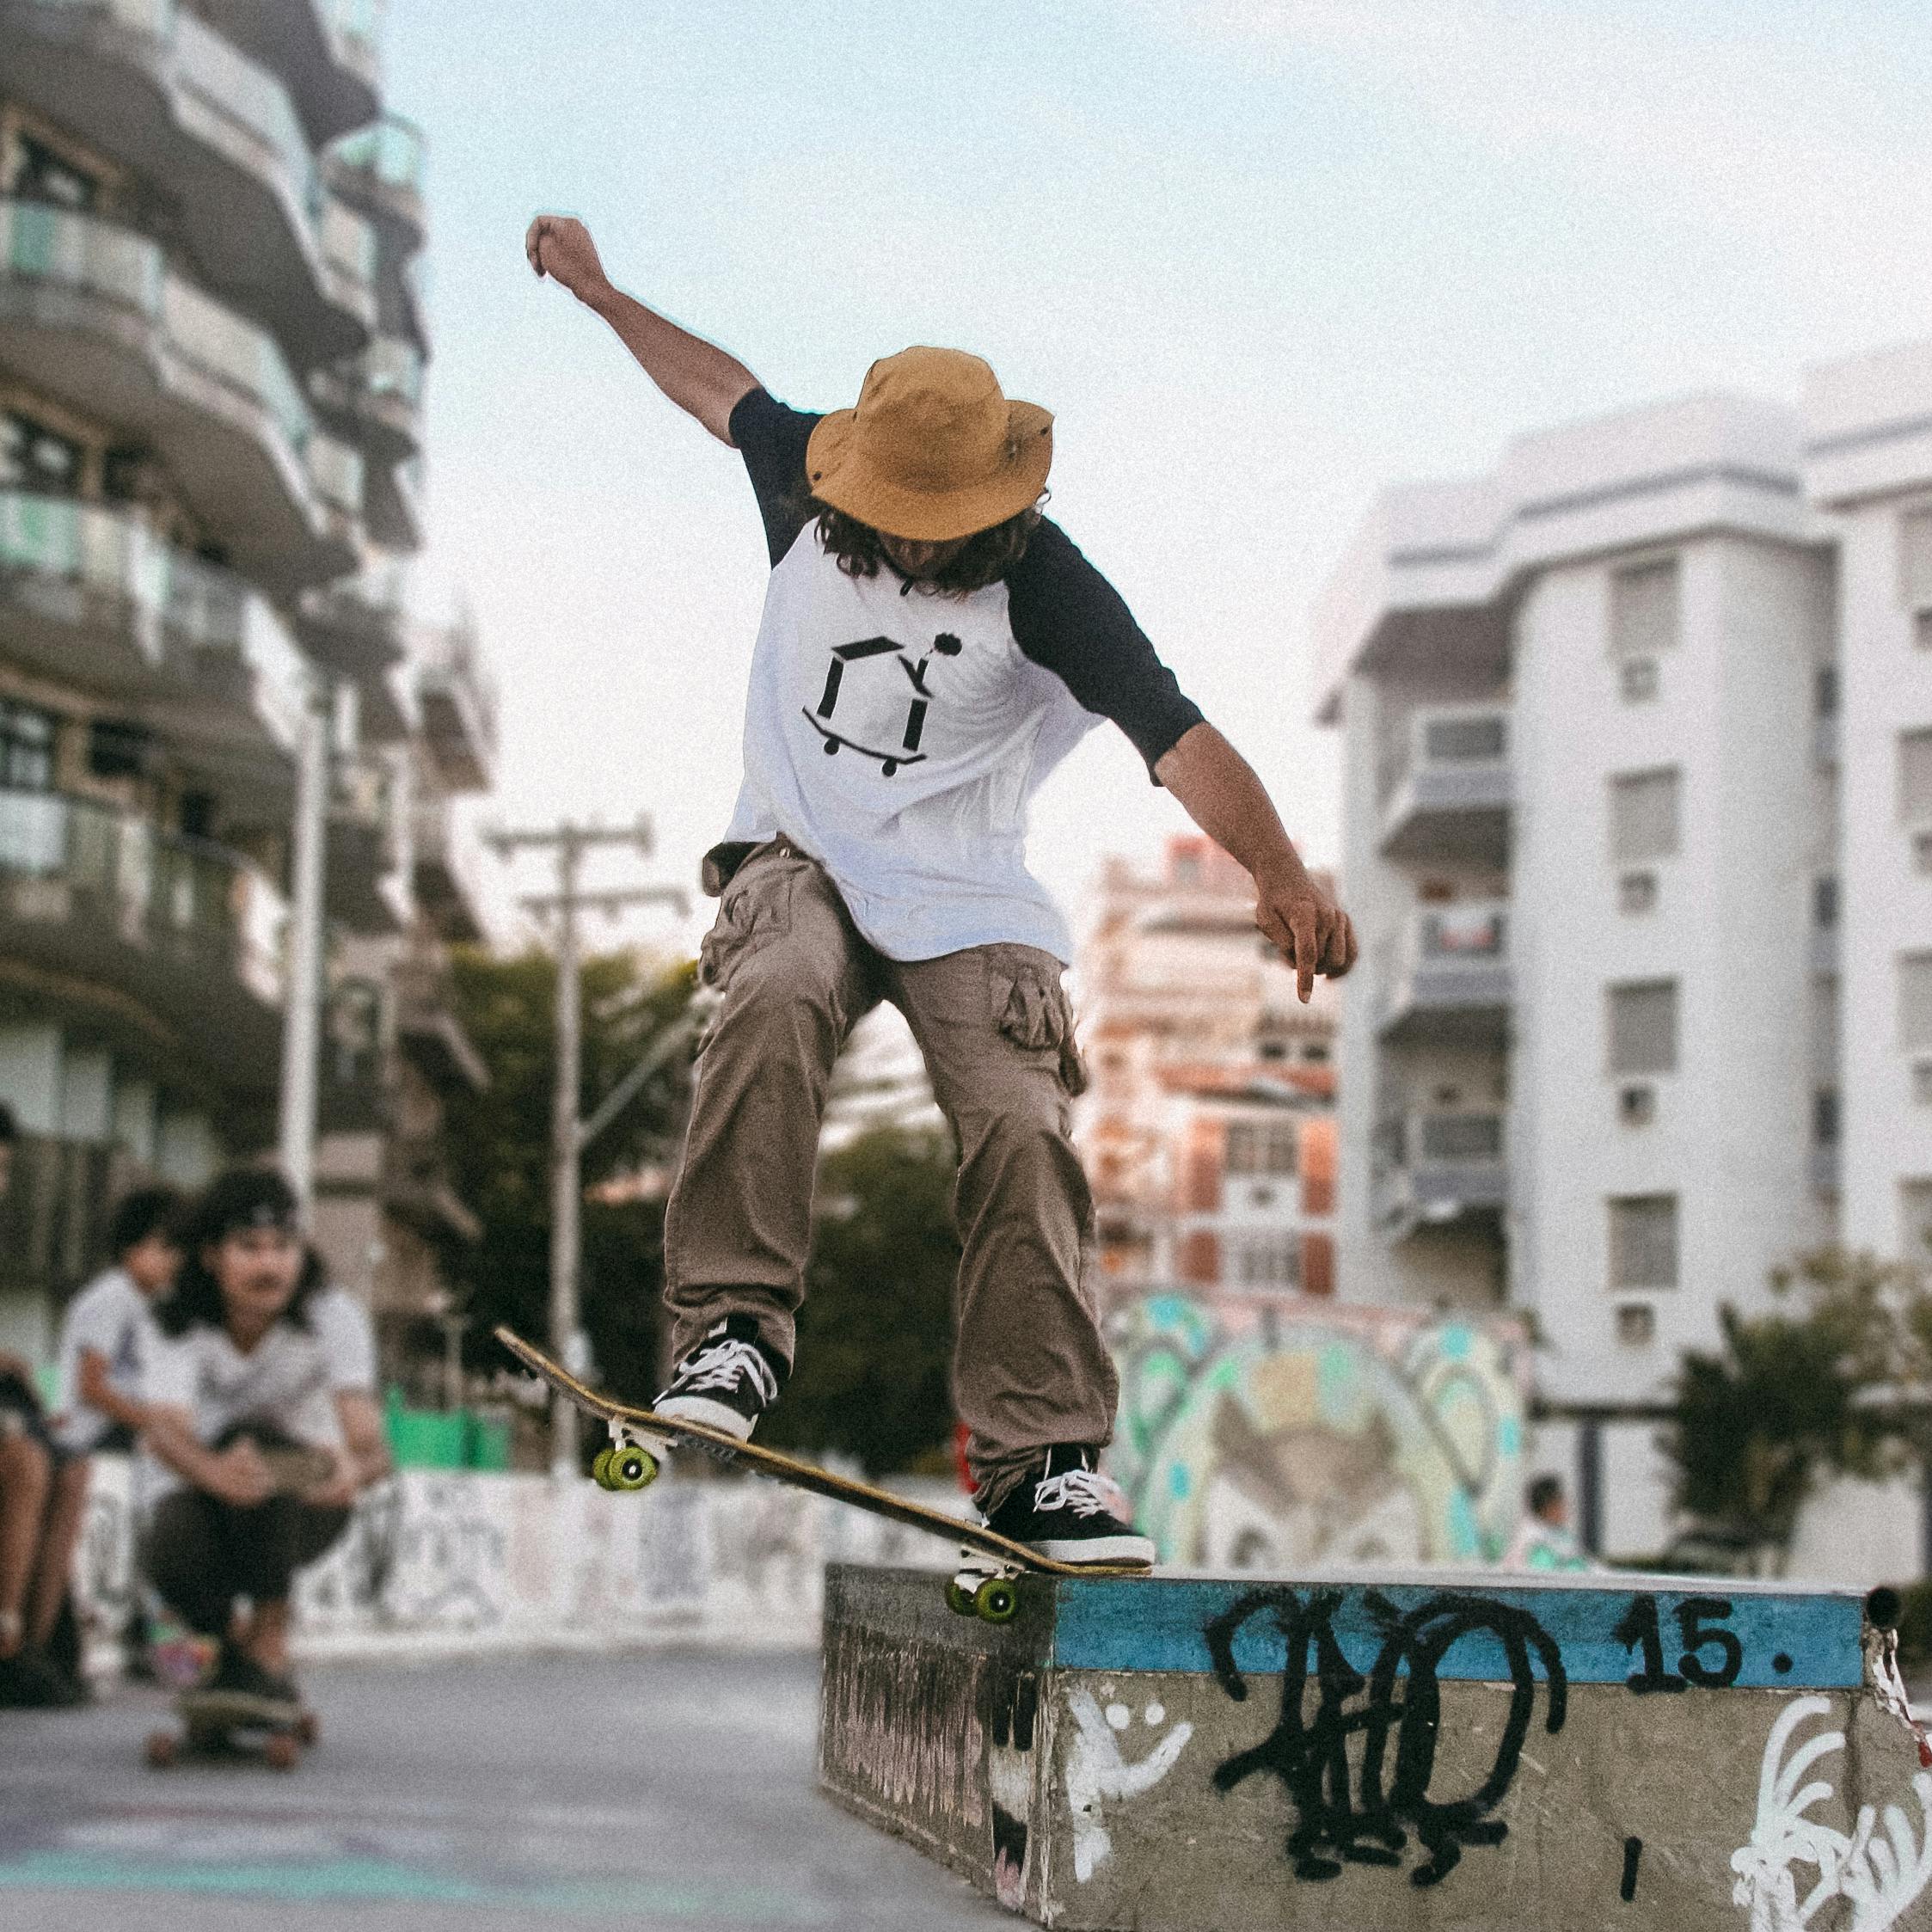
<point>229,1724</point>
<point>989,1564</point>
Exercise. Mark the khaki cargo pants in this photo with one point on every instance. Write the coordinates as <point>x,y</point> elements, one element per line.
<point>994,1027</point>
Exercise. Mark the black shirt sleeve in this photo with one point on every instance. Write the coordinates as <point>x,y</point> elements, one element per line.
<point>1067,618</point>
<point>772,438</point>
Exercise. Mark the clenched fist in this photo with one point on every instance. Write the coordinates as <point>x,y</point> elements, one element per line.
<point>560,246</point>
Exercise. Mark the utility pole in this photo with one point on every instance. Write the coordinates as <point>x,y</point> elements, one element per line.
<point>302,1020</point>
<point>570,842</point>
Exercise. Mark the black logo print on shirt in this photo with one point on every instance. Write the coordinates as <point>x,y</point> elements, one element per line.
<point>945,646</point>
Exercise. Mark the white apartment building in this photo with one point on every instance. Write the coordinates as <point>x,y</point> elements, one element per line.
<point>1638,836</point>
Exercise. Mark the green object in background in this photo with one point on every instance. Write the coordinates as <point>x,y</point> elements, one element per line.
<point>428,1438</point>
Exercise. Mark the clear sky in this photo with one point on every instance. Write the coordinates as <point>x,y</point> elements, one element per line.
<point>1258,256</point>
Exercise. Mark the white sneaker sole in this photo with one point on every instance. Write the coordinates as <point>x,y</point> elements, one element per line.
<point>714,1415</point>
<point>1098,1550</point>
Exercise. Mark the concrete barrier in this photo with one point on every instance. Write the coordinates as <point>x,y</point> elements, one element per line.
<point>1425,1749</point>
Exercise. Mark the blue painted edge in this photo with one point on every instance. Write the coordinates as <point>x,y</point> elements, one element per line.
<point>1794,1641</point>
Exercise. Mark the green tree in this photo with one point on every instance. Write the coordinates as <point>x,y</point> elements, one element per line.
<point>1822,1386</point>
<point>500,1152</point>
<point>875,1335</point>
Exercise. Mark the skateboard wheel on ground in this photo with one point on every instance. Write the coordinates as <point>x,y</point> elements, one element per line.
<point>162,1749</point>
<point>959,1598</point>
<point>632,1469</point>
<point>995,1600</point>
<point>600,1467</point>
<point>280,1751</point>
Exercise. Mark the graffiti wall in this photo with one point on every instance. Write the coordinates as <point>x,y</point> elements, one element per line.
<point>470,1557</point>
<point>1267,1435</point>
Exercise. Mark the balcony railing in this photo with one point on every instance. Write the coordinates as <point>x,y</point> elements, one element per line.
<point>110,575</point>
<point>458,710</point>
<point>1450,982</point>
<point>448,886</point>
<point>388,151</point>
<point>1444,785</point>
<point>73,862</point>
<point>1431,1169</point>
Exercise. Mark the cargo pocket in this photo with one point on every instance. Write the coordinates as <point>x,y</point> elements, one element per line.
<point>756,909</point>
<point>1031,1008</point>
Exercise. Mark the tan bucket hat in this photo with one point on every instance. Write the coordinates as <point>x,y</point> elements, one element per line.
<point>933,451</point>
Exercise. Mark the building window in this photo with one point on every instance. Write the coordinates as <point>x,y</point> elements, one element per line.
<point>1824,692</point>
<point>1921,852</point>
<point>1824,1117</point>
<point>1643,1028</point>
<point>1915,776</point>
<point>26,748</point>
<point>1644,816</point>
<point>1914,1002</point>
<point>1921,629</point>
<point>1643,1240</point>
<point>33,457</point>
<point>1274,1263</point>
<point>1921,1083</point>
<point>1915,558</point>
<point>1824,901</point>
<point>1259,1147</point>
<point>40,175</point>
<point>1644,608</point>
<point>1636,891</point>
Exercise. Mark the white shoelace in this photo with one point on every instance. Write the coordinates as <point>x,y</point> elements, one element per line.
<point>1082,1491</point>
<point>720,1365</point>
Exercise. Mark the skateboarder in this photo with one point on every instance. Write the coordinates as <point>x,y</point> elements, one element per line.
<point>245,1370</point>
<point>931,647</point>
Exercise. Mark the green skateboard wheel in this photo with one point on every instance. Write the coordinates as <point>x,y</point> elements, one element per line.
<point>600,1467</point>
<point>995,1600</point>
<point>632,1469</point>
<point>959,1598</point>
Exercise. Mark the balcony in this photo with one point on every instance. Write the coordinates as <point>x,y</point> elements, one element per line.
<point>392,505</point>
<point>1444,788</point>
<point>92,597</point>
<point>145,927</point>
<point>416,1188</point>
<point>328,52</point>
<point>377,397</point>
<point>458,711</point>
<point>91,314</point>
<point>361,886</point>
<point>379,170</point>
<point>354,627</point>
<point>1450,981</point>
<point>183,105</point>
<point>429,1031</point>
<point>448,889</point>
<point>1439,1170</point>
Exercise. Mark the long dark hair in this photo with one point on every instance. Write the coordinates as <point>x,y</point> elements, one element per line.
<point>242,1198</point>
<point>985,557</point>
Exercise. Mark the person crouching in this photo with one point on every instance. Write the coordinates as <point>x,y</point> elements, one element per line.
<point>240,1387</point>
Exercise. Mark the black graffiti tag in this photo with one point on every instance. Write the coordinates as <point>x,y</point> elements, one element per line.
<point>1365,1817</point>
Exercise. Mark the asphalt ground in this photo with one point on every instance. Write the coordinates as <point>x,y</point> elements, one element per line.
<point>654,1789</point>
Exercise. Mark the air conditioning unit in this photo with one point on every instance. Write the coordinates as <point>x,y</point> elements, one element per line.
<point>1636,891</point>
<point>1636,1324</point>
<point>1637,678</point>
<point>1636,1107</point>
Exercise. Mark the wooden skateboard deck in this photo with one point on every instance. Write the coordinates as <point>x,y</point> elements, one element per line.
<point>633,1428</point>
<point>227,1724</point>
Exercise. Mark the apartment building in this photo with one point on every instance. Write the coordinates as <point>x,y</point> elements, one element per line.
<point>1207,1129</point>
<point>211,350</point>
<point>1638,836</point>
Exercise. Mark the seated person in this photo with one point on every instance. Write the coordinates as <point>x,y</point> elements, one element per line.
<point>107,1333</point>
<point>244,1375</point>
<point>42,1492</point>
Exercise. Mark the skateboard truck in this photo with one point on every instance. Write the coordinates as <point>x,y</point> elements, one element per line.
<point>977,1590</point>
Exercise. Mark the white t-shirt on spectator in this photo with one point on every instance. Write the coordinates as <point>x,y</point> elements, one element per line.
<point>349,1337</point>
<point>288,1380</point>
<point>113,1318</point>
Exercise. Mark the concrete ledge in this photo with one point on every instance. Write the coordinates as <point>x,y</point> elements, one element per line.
<point>1428,1749</point>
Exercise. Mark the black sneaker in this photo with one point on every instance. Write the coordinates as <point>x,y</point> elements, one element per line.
<point>235,1675</point>
<point>31,1681</point>
<point>727,1382</point>
<point>1068,1513</point>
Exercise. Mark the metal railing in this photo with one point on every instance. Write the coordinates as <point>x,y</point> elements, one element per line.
<point>1461,747</point>
<point>453,667</point>
<point>1435,1166</point>
<point>155,889</point>
<point>167,597</point>
<point>1451,957</point>
<point>389,148</point>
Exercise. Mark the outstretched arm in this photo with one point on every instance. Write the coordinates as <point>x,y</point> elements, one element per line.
<point>696,375</point>
<point>1221,794</point>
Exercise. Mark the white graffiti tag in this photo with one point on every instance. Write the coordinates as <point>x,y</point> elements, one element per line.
<point>1878,1876</point>
<point>1098,1774</point>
